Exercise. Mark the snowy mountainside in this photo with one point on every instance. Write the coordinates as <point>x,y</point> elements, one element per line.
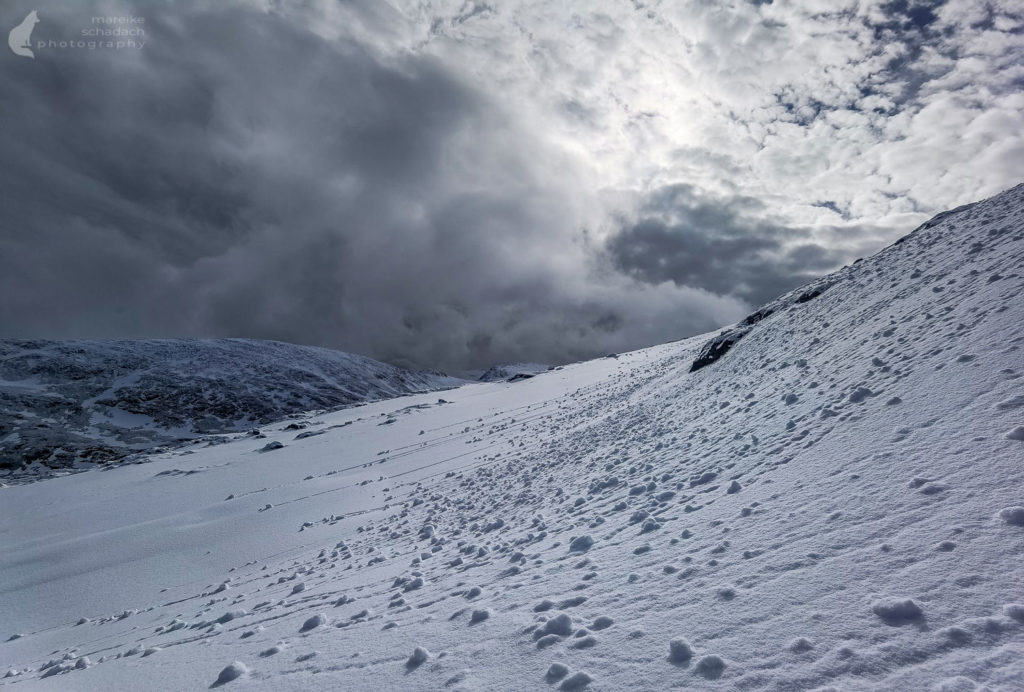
<point>833,503</point>
<point>64,403</point>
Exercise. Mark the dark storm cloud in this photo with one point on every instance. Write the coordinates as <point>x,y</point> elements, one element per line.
<point>244,176</point>
<point>456,185</point>
<point>717,244</point>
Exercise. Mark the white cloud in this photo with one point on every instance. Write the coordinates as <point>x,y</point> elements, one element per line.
<point>792,101</point>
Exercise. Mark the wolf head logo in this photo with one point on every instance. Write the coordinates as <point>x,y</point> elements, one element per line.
<point>20,38</point>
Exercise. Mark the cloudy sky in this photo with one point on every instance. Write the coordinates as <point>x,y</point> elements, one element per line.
<point>453,184</point>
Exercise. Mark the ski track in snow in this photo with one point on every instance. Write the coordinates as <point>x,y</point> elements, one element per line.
<point>836,503</point>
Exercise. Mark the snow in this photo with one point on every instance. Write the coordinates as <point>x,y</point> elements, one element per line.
<point>230,672</point>
<point>1012,515</point>
<point>623,523</point>
<point>680,651</point>
<point>897,611</point>
<point>507,372</point>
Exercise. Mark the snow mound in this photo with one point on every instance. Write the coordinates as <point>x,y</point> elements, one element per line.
<point>231,672</point>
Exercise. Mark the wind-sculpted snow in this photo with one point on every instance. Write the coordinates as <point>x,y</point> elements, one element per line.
<point>63,404</point>
<point>835,505</point>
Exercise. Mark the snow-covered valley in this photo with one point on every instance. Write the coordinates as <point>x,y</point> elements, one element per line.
<point>833,502</point>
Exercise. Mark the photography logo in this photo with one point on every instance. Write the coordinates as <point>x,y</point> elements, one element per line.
<point>113,32</point>
<point>20,38</point>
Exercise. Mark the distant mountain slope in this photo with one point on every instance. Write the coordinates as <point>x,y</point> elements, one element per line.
<point>63,403</point>
<point>498,373</point>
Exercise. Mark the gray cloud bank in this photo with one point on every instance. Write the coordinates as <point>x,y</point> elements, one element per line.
<point>721,246</point>
<point>257,171</point>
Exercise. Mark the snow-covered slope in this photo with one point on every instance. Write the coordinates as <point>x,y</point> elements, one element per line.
<point>497,373</point>
<point>65,403</point>
<point>833,503</point>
